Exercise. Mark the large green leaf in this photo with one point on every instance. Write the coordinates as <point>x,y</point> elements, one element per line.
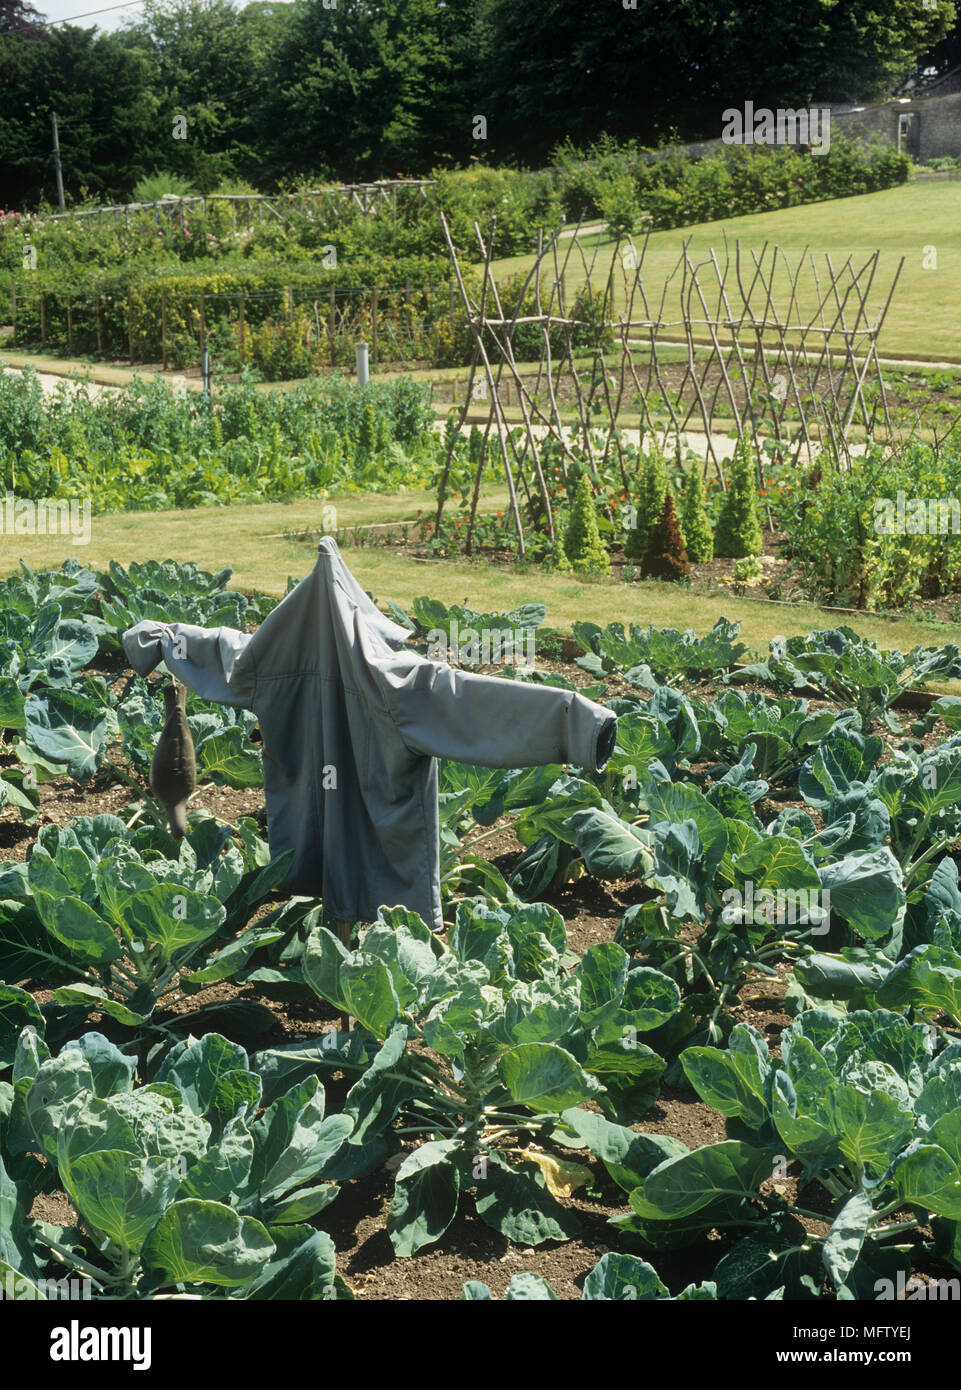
<point>294,1140</point>
<point>67,728</point>
<point>230,758</point>
<point>18,1010</point>
<point>197,1242</point>
<point>846,1237</point>
<point>611,847</point>
<point>120,1194</point>
<point>696,1180</point>
<point>79,928</point>
<point>369,992</point>
<point>305,1273</point>
<point>425,1197</point>
<point>545,1077</point>
<point>172,917</point>
<point>627,1155</point>
<point>871,1128</point>
<point>930,1178</point>
<point>516,1203</point>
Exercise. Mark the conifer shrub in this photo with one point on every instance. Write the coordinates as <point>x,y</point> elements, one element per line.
<point>650,503</point>
<point>666,557</point>
<point>738,530</point>
<point>582,539</point>
<point>695,525</point>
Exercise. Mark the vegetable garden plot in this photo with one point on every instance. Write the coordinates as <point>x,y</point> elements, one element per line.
<point>790,352</point>
<point>505,1075</point>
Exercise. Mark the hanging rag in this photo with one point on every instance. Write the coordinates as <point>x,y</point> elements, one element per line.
<point>352,729</point>
<point>173,772</point>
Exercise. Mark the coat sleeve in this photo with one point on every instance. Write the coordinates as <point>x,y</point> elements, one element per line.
<point>494,722</point>
<point>203,658</point>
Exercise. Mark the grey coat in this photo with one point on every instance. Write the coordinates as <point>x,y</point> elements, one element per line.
<point>352,729</point>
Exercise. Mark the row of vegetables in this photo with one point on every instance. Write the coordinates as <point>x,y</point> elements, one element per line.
<point>497,1072</point>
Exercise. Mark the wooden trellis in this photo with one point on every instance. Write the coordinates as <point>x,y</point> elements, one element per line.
<point>785,351</point>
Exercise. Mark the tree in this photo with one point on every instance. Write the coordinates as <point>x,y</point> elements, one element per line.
<point>582,540</point>
<point>556,69</point>
<point>212,64</point>
<point>666,557</point>
<point>650,501</point>
<point>738,528</point>
<point>371,90</point>
<point>695,526</point>
<point>20,17</point>
<point>107,115</point>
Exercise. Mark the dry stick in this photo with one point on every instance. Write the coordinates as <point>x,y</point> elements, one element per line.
<point>455,434</point>
<point>653,326</point>
<point>759,351</point>
<point>607,306</point>
<point>849,346</point>
<point>860,377</point>
<point>844,333</point>
<point>684,323</point>
<point>486,323</point>
<point>780,330</point>
<point>779,415</point>
<point>825,343</point>
<point>874,345</point>
<point>508,356</point>
<point>546,356</point>
<point>872,351</point>
<point>559,274</point>
<point>749,387</point>
<point>716,346</point>
<point>614,407</point>
<point>685,298</point>
<point>477,330</point>
<point>627,362</point>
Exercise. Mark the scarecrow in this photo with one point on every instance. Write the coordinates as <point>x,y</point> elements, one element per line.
<point>352,728</point>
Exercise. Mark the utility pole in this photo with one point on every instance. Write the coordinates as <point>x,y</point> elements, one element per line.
<point>56,160</point>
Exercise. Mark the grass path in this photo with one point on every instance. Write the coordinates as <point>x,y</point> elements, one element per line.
<point>908,221</point>
<point>251,539</point>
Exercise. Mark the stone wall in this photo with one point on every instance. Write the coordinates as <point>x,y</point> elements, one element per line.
<point>935,133</point>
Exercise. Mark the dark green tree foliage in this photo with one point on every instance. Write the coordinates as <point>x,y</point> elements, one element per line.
<point>738,527</point>
<point>19,17</point>
<point>582,540</point>
<point>110,133</point>
<point>666,557</point>
<point>695,526</point>
<point>557,68</point>
<point>650,503</point>
<point>215,65</point>
<point>376,90</point>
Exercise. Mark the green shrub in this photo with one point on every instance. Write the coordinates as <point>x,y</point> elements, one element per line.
<point>855,537</point>
<point>748,568</point>
<point>666,557</point>
<point>152,187</point>
<point>582,540</point>
<point>738,527</point>
<point>650,503</point>
<point>695,526</point>
<point>619,206</point>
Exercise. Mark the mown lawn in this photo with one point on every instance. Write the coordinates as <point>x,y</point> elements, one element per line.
<point>922,321</point>
<point>251,539</point>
